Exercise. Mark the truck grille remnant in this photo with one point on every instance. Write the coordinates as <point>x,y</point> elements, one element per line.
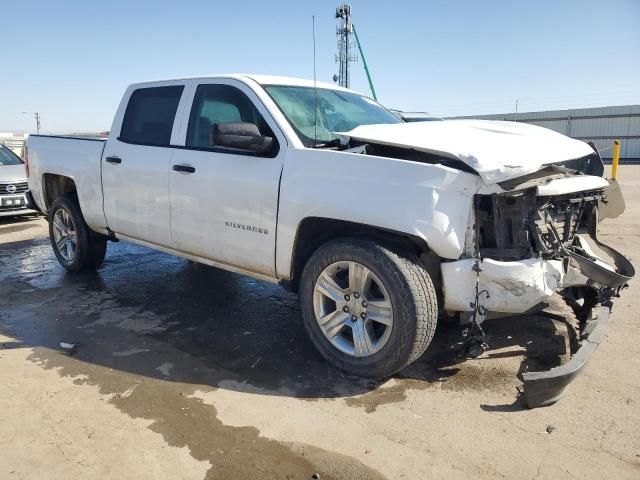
<point>521,225</point>
<point>559,219</point>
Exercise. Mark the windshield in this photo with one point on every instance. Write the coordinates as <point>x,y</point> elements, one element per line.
<point>337,111</point>
<point>7,157</point>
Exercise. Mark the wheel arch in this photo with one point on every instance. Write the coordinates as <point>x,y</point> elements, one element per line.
<point>313,232</point>
<point>55,185</point>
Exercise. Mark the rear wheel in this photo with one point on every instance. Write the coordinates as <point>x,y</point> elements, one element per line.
<point>369,310</point>
<point>75,245</point>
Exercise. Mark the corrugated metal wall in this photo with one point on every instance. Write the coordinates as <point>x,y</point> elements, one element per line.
<point>601,125</point>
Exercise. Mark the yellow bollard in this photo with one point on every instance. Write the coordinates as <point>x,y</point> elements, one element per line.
<point>616,159</point>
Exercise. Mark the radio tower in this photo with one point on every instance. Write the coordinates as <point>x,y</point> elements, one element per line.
<point>345,45</point>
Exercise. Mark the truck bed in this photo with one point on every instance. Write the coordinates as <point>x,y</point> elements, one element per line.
<point>78,158</point>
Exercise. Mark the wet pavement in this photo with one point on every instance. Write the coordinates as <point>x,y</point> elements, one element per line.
<point>141,303</point>
<point>146,315</point>
<point>211,360</point>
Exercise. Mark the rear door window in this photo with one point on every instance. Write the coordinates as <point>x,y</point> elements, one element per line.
<point>150,113</point>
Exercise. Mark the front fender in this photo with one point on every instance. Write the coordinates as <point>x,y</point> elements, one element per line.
<point>432,202</point>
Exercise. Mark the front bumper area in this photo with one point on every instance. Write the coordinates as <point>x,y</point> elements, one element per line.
<point>545,388</point>
<point>17,212</point>
<point>24,208</point>
<point>516,287</point>
<point>512,287</point>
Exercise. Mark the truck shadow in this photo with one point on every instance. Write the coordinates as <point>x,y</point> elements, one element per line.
<point>18,223</point>
<point>149,314</point>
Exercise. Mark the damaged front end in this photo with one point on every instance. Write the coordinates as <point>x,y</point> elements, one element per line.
<point>589,287</point>
<point>537,237</point>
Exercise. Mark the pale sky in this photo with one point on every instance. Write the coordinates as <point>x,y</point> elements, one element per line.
<point>72,60</point>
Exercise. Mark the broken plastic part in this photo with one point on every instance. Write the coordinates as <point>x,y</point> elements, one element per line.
<point>612,205</point>
<point>546,388</point>
<point>598,271</point>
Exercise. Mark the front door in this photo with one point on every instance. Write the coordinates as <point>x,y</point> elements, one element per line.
<point>135,170</point>
<point>224,201</point>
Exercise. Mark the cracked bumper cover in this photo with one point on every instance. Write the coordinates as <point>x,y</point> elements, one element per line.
<point>513,287</point>
<point>547,387</point>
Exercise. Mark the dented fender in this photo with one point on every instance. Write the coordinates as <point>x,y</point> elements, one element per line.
<point>429,201</point>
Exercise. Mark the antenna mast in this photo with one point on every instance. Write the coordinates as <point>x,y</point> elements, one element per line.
<point>315,86</point>
<point>345,45</point>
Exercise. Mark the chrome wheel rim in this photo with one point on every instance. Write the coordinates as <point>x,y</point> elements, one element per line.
<point>353,309</point>
<point>64,235</point>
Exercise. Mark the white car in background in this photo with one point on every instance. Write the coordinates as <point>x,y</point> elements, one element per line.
<point>13,184</point>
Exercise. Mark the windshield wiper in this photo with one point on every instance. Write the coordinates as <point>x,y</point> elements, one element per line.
<point>336,142</point>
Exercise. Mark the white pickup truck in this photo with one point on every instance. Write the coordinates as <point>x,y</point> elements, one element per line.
<point>380,225</point>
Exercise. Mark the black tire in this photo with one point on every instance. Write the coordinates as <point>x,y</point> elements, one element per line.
<point>91,247</point>
<point>411,292</point>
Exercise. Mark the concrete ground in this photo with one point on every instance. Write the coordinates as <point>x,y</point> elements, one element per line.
<point>182,371</point>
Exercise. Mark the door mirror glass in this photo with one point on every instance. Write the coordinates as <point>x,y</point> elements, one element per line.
<point>240,135</point>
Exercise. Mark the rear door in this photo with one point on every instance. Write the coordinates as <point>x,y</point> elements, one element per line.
<point>136,163</point>
<point>224,201</point>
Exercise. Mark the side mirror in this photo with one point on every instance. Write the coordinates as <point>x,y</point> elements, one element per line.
<point>241,136</point>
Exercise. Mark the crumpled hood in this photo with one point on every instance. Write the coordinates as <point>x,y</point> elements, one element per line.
<point>497,150</point>
<point>12,173</point>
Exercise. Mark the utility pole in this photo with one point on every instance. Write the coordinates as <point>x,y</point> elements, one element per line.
<point>37,117</point>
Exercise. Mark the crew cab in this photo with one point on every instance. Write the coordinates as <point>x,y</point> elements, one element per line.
<point>382,226</point>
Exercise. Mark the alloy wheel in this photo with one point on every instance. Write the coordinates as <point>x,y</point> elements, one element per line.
<point>353,309</point>
<point>65,235</point>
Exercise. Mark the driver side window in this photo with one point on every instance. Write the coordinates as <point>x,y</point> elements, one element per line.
<point>218,104</point>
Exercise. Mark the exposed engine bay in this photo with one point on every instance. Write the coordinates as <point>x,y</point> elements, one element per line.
<point>521,225</point>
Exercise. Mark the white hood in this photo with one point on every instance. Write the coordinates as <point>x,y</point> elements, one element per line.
<point>12,173</point>
<point>498,151</point>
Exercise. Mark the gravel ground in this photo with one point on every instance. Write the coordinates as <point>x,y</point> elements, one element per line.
<point>182,371</point>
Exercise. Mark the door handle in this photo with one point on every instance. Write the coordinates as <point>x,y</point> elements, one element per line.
<point>184,168</point>
<point>113,160</point>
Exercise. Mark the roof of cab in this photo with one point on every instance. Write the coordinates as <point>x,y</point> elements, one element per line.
<point>260,79</point>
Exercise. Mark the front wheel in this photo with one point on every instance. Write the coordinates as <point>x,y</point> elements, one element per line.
<point>369,310</point>
<point>75,245</point>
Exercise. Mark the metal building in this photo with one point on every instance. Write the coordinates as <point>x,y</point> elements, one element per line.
<point>15,141</point>
<point>601,125</point>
